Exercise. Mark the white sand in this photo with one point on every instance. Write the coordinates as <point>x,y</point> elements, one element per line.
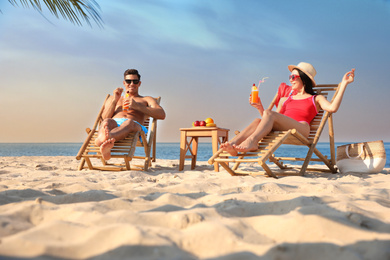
<point>50,210</point>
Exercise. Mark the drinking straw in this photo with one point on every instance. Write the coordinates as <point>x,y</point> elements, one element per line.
<point>262,81</point>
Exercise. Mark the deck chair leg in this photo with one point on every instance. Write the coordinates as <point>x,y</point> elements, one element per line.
<point>147,163</point>
<point>103,161</point>
<point>307,160</point>
<point>331,140</point>
<point>235,167</point>
<point>276,161</point>
<point>325,161</point>
<point>154,149</point>
<point>81,164</point>
<point>89,163</point>
<point>267,170</point>
<point>237,164</point>
<point>320,155</point>
<point>226,167</point>
<point>230,171</point>
<point>127,162</point>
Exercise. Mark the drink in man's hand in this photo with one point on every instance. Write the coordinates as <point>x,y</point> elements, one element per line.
<point>125,107</point>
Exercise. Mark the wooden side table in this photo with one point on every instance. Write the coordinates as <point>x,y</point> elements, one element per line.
<point>194,133</point>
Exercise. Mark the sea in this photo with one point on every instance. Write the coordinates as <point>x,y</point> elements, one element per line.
<point>168,151</point>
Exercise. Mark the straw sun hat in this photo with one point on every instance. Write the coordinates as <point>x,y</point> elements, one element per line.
<point>306,68</point>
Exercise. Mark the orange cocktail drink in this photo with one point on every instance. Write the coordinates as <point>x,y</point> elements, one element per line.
<point>125,107</point>
<point>254,94</point>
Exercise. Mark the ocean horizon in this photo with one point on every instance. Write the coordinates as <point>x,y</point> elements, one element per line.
<point>166,151</point>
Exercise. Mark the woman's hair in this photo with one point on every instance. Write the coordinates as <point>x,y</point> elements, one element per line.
<point>307,83</point>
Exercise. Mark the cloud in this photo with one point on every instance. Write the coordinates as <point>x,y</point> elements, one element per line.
<point>163,22</point>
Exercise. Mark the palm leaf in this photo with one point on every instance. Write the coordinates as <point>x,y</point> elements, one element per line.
<point>71,10</point>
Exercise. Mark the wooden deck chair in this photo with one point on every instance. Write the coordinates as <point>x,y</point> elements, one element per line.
<point>122,149</point>
<point>270,143</point>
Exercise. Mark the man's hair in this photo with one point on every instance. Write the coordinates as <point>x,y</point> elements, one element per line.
<point>132,72</point>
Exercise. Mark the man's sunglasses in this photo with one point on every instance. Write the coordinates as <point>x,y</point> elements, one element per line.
<point>293,77</point>
<point>135,81</point>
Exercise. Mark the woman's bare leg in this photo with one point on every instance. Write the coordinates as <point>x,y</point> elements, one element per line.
<point>238,139</point>
<point>271,121</point>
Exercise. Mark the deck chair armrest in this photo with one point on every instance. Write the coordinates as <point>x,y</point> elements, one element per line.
<point>90,132</point>
<point>151,130</point>
<point>152,127</point>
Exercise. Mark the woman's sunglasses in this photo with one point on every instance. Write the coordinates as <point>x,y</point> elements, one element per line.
<point>293,77</point>
<point>135,81</point>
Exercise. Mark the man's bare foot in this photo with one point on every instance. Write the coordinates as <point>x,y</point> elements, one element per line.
<point>106,147</point>
<point>246,146</point>
<point>228,147</point>
<point>103,135</point>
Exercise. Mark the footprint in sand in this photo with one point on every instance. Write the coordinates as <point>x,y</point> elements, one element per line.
<point>187,219</point>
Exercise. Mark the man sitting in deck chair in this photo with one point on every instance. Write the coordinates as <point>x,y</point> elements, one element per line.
<point>296,112</point>
<point>117,123</point>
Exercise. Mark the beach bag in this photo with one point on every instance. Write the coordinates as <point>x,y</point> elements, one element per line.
<point>366,157</point>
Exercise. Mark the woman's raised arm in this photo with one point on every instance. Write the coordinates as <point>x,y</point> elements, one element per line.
<point>333,106</point>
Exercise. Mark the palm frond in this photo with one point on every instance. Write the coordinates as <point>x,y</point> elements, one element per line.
<point>72,10</point>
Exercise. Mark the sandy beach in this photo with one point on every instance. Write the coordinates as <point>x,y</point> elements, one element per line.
<point>49,210</point>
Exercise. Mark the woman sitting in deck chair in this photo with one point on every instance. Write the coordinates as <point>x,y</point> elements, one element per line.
<point>295,111</point>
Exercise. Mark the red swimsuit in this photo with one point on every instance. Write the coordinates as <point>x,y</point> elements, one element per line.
<point>302,110</point>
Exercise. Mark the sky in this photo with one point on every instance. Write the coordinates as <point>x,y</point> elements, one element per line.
<point>200,56</point>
